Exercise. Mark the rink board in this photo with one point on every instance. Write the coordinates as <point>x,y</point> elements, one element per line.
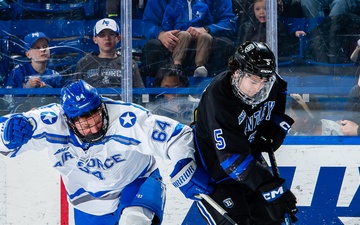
<point>325,179</point>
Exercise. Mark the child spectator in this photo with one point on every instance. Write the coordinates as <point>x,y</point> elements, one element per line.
<point>34,74</point>
<point>168,77</point>
<point>175,106</point>
<point>255,30</point>
<point>104,69</point>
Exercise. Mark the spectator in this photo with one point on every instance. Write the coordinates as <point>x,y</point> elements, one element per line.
<point>351,121</point>
<point>355,54</point>
<point>104,69</point>
<point>350,128</point>
<point>168,77</point>
<point>33,74</point>
<point>178,16</point>
<point>319,8</point>
<point>307,119</point>
<point>255,30</point>
<point>163,41</point>
<point>243,9</point>
<point>105,152</point>
<point>176,106</point>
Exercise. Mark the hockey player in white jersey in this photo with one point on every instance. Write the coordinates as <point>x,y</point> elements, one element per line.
<point>104,151</point>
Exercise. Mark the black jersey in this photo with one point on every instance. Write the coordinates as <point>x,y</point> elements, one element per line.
<point>226,127</point>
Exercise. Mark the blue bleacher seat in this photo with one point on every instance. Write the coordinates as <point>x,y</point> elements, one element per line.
<point>139,39</point>
<point>299,24</point>
<point>65,34</point>
<point>88,44</point>
<point>5,32</point>
<point>42,9</point>
<point>315,66</point>
<point>6,11</point>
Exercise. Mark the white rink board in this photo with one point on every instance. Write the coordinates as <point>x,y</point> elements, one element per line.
<point>32,190</point>
<point>29,187</point>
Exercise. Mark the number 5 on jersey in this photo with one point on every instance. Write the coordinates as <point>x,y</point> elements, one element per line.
<point>220,141</point>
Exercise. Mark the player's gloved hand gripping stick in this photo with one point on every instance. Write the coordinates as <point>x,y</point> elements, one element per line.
<point>217,207</point>
<point>17,131</point>
<point>190,179</point>
<point>194,182</point>
<point>285,203</point>
<point>274,133</point>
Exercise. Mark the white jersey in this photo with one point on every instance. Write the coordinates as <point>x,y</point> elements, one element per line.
<point>95,174</point>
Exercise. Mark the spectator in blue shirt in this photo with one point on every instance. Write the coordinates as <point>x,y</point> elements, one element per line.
<point>179,15</point>
<point>35,73</point>
<point>163,40</point>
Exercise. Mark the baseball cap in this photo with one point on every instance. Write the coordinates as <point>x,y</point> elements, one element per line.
<point>106,23</point>
<point>30,39</point>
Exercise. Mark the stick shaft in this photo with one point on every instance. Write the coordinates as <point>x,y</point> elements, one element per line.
<point>276,174</point>
<point>218,208</point>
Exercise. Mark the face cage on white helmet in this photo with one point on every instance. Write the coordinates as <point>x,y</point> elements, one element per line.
<point>259,97</point>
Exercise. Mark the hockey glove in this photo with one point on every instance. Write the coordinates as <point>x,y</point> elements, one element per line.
<point>18,131</point>
<point>190,179</point>
<point>280,200</point>
<point>274,133</point>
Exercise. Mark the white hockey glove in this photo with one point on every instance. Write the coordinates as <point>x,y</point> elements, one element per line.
<point>191,179</point>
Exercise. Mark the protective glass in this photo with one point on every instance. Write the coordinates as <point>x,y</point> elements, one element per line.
<point>264,84</point>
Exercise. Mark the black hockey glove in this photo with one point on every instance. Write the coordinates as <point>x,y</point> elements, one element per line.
<point>280,200</point>
<point>273,134</point>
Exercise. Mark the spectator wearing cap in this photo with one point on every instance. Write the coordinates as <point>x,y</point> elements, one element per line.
<point>35,73</point>
<point>104,69</point>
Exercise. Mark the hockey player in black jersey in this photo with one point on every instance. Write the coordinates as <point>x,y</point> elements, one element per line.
<point>240,115</point>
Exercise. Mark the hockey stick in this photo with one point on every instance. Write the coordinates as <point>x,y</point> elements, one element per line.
<point>276,174</point>
<point>218,208</point>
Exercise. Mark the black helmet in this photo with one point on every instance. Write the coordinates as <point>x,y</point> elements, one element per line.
<point>253,58</point>
<point>256,58</point>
